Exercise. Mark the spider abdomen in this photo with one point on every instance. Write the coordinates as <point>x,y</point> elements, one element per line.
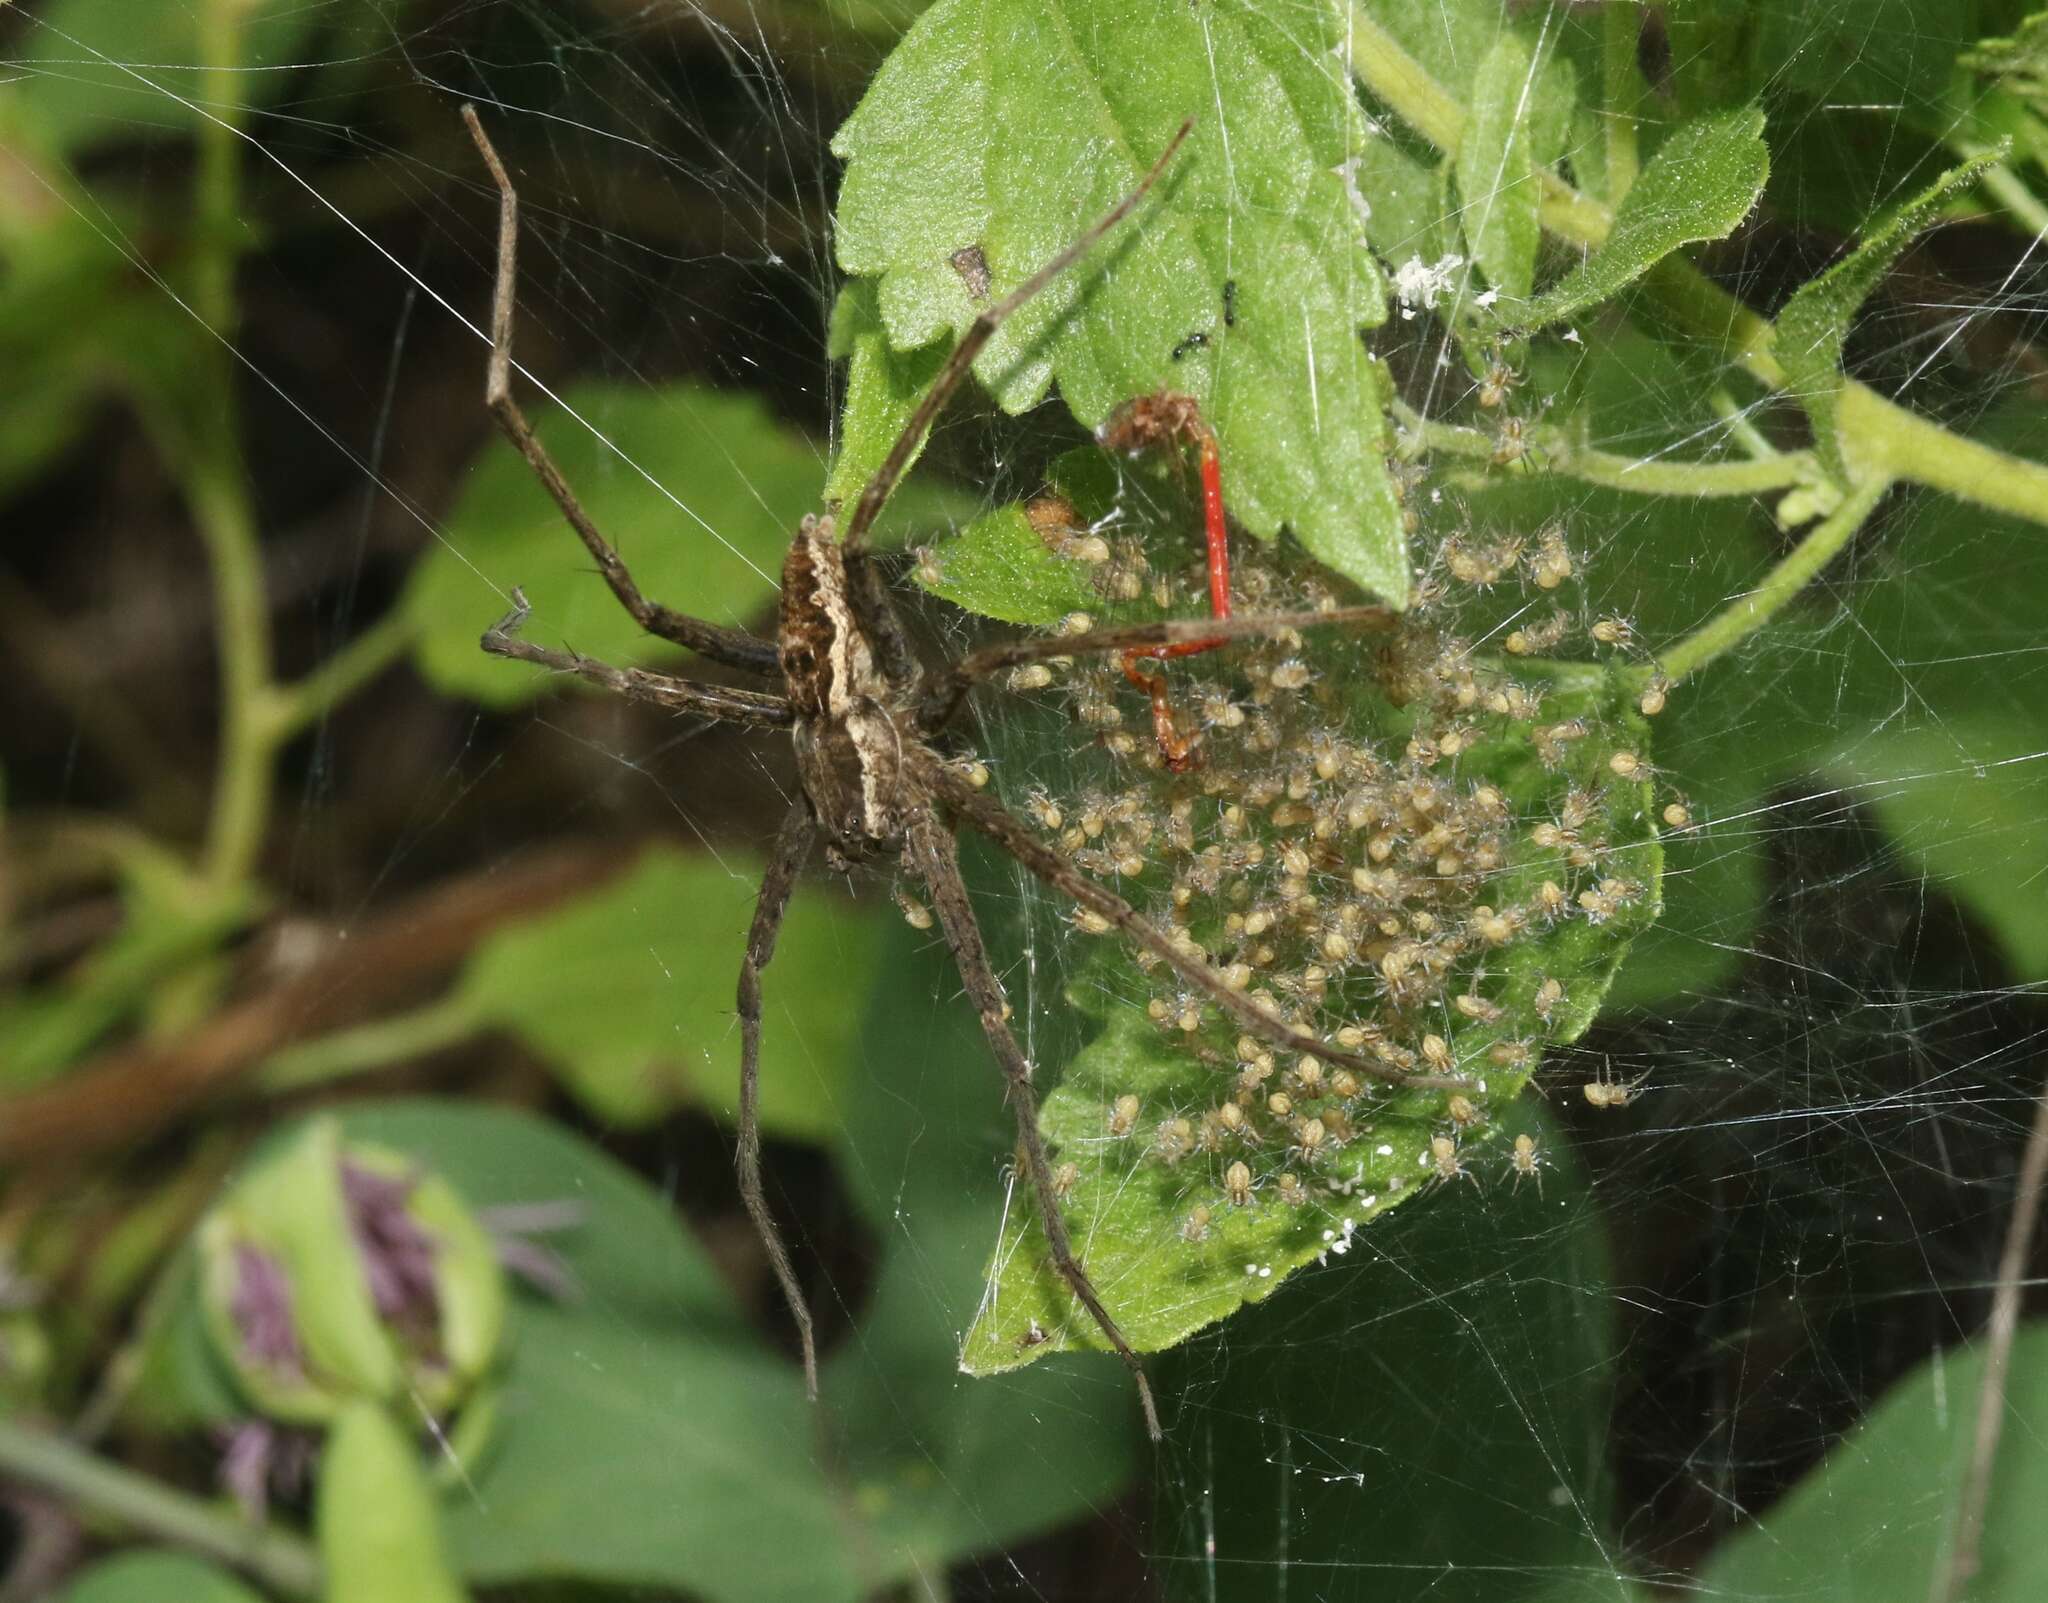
<point>849,746</point>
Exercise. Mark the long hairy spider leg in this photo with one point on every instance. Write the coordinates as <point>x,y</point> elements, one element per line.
<point>938,862</point>
<point>792,845</point>
<point>951,687</point>
<point>988,817</point>
<point>727,706</point>
<point>1178,749</point>
<point>735,648</point>
<point>978,334</point>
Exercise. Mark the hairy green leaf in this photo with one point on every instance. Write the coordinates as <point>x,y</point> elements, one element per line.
<point>1006,128</point>
<point>1876,1521</point>
<point>154,1577</point>
<point>883,387</point>
<point>1815,323</point>
<point>1260,823</point>
<point>1496,180</point>
<point>1000,566</point>
<point>628,993</point>
<point>1702,182</point>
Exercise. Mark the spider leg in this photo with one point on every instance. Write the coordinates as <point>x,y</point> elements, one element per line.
<point>1186,634</point>
<point>989,817</point>
<point>898,658</point>
<point>978,334</point>
<point>735,648</point>
<point>727,706</point>
<point>937,861</point>
<point>792,845</point>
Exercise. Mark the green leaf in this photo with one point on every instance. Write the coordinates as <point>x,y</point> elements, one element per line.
<point>1815,323</point>
<point>1874,1523</point>
<point>156,1577</point>
<point>1496,180</point>
<point>1001,567</point>
<point>628,993</point>
<point>90,73</point>
<point>706,1478</point>
<point>1168,1248</point>
<point>1701,183</point>
<point>883,387</point>
<point>1011,126</point>
<point>1967,799</point>
<point>1344,1414</point>
<point>380,1534</point>
<point>711,546</point>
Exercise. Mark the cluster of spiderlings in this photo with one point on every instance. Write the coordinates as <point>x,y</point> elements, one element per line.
<point>1346,854</point>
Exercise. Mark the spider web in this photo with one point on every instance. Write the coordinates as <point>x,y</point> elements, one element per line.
<point>1504,1391</point>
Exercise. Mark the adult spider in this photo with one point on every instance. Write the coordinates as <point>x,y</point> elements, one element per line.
<point>864,713</point>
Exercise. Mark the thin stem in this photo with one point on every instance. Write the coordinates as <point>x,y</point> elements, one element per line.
<point>218,497</point>
<point>369,1047</point>
<point>308,700</point>
<point>1966,1555</point>
<point>1742,618</point>
<point>1743,432</point>
<point>2010,191</point>
<point>1621,88</point>
<point>1883,438</point>
<point>1561,454</point>
<point>208,457</point>
<point>281,1561</point>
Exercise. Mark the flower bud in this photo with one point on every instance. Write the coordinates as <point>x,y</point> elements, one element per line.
<point>334,1272</point>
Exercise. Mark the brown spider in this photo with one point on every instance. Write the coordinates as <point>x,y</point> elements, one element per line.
<point>864,713</point>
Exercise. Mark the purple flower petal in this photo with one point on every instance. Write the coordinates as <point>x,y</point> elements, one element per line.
<point>398,1256</point>
<point>262,1310</point>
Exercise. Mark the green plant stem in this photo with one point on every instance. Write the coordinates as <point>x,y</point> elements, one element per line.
<point>1620,90</point>
<point>218,497</point>
<point>369,1047</point>
<point>1882,439</point>
<point>214,481</point>
<point>1887,441</point>
<point>1742,618</point>
<point>281,1561</point>
<point>1644,476</point>
<point>306,701</point>
<point>1743,432</point>
<point>2007,188</point>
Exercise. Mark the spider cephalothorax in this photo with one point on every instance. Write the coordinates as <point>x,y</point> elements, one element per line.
<point>851,721</point>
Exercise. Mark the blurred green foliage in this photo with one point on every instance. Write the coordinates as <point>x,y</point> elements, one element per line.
<point>644,1436</point>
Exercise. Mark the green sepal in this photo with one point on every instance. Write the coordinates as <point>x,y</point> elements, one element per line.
<point>379,1529</point>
